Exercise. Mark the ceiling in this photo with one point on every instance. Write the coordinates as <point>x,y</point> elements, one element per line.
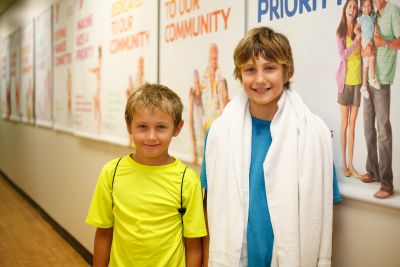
<point>4,4</point>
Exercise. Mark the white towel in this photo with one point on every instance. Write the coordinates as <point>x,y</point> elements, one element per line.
<point>298,179</point>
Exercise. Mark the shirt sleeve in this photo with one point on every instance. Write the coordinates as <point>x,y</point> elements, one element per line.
<point>336,193</point>
<point>203,173</point>
<point>396,22</point>
<point>193,220</point>
<point>101,208</point>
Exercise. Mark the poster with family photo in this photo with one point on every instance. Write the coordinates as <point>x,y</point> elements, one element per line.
<point>44,69</point>
<point>63,42</point>
<point>357,97</point>
<point>15,70</point>
<point>130,53</point>
<point>27,73</point>
<point>197,39</point>
<point>5,78</point>
<point>88,73</point>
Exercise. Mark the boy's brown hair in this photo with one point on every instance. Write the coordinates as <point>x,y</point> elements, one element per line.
<point>268,44</point>
<point>154,97</point>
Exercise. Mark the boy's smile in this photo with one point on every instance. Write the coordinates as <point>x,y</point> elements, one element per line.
<point>152,132</point>
<point>263,82</point>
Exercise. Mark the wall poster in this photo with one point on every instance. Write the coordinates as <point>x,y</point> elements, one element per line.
<point>196,61</point>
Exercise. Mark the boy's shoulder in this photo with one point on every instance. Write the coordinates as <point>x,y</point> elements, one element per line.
<point>190,174</point>
<point>110,166</point>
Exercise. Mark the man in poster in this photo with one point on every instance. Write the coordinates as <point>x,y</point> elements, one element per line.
<point>212,75</point>
<point>387,41</point>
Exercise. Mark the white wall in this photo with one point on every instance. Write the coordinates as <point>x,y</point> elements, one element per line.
<point>59,172</point>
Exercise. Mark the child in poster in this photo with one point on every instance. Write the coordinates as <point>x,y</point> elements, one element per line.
<point>365,29</point>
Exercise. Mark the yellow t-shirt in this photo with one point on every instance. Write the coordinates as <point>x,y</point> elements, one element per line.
<point>353,65</point>
<point>142,206</point>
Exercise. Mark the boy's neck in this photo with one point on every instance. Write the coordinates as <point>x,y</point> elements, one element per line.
<point>153,162</point>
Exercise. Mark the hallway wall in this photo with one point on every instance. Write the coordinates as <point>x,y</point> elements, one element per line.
<point>59,172</point>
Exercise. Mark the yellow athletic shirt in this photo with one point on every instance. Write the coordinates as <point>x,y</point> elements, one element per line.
<point>142,206</point>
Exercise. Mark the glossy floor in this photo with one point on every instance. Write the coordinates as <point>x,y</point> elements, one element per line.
<point>26,239</point>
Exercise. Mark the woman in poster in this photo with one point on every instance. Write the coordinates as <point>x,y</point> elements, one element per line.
<point>96,97</point>
<point>29,101</point>
<point>349,81</point>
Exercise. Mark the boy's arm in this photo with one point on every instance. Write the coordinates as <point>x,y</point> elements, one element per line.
<point>102,247</point>
<point>206,239</point>
<point>193,252</point>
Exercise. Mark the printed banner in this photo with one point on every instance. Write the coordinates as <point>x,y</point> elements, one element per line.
<point>63,41</point>
<point>197,39</point>
<point>88,72</point>
<point>27,70</point>
<point>43,69</point>
<point>15,76</point>
<point>311,27</point>
<point>130,57</point>
<point>5,78</point>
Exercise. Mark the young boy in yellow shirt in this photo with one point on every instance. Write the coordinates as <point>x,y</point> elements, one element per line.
<point>147,206</point>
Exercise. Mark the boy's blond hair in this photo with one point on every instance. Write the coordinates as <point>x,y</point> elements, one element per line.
<point>154,97</point>
<point>268,44</point>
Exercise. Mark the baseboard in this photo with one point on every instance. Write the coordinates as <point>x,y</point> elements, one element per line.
<point>86,254</point>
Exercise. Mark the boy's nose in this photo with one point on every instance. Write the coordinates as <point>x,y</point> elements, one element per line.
<point>260,79</point>
<point>151,134</point>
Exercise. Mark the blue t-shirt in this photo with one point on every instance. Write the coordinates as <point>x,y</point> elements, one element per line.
<point>260,236</point>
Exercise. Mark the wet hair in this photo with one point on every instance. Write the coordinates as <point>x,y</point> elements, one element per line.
<point>154,97</point>
<point>268,44</point>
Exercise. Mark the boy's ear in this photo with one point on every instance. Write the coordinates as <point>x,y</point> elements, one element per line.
<point>179,128</point>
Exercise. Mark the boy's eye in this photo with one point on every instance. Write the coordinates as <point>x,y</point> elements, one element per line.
<point>142,126</point>
<point>249,69</point>
<point>161,126</point>
<point>270,68</point>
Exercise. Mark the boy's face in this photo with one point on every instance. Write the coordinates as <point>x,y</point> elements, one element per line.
<point>152,132</point>
<point>263,82</point>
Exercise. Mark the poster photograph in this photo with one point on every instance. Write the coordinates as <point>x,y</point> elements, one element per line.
<point>88,72</point>
<point>63,41</point>
<point>27,73</point>
<point>15,82</point>
<point>196,62</point>
<point>329,76</point>
<point>44,69</point>
<point>130,58</point>
<point>5,78</point>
